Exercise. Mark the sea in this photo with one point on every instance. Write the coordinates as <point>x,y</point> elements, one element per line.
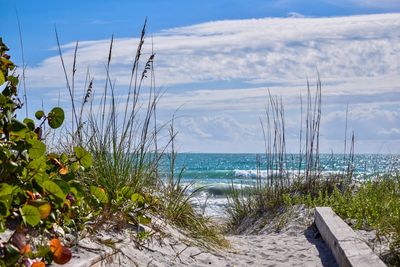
<point>214,174</point>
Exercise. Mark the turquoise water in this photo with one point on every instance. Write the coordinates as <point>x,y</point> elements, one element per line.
<point>222,168</point>
<point>219,171</point>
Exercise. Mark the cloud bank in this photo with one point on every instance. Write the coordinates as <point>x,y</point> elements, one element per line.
<point>221,72</point>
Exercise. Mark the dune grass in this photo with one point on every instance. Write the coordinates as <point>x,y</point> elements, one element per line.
<point>373,204</point>
<point>123,137</point>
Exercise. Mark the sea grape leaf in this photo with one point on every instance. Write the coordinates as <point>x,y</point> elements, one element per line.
<point>39,114</point>
<point>18,128</point>
<point>37,169</point>
<point>52,188</point>
<point>99,194</point>
<point>77,189</point>
<point>44,210</point>
<point>43,207</point>
<point>30,215</point>
<point>55,247</point>
<point>7,63</point>
<point>63,170</point>
<point>84,157</point>
<point>56,117</point>
<point>37,149</point>
<point>127,191</point>
<point>137,199</point>
<point>61,254</point>
<point>63,185</point>
<point>64,157</point>
<point>5,189</point>
<point>40,178</point>
<point>12,253</point>
<point>4,209</point>
<point>75,166</point>
<point>30,123</point>
<point>6,198</point>
<point>13,80</point>
<point>2,78</point>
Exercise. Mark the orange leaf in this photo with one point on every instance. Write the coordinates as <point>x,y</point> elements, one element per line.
<point>64,257</point>
<point>56,247</point>
<point>38,264</point>
<point>30,194</point>
<point>25,249</point>
<point>44,210</point>
<point>43,207</point>
<point>63,170</point>
<point>61,254</point>
<point>56,161</point>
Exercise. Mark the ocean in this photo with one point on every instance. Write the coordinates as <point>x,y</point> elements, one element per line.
<point>218,172</point>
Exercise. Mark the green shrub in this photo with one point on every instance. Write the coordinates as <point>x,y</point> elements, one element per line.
<point>40,192</point>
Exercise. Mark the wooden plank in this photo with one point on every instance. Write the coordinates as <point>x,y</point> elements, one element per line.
<point>346,247</point>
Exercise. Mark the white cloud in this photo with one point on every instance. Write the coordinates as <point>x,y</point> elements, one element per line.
<point>295,15</point>
<point>267,50</point>
<point>391,131</point>
<point>358,58</point>
<point>383,4</point>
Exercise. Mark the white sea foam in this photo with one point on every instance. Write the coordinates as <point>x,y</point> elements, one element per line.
<point>270,173</point>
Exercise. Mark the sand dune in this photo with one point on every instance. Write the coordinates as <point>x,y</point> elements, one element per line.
<point>289,240</point>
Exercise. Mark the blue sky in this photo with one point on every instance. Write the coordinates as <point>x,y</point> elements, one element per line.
<point>98,19</point>
<point>217,59</point>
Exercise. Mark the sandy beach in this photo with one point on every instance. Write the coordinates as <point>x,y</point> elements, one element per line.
<point>258,244</point>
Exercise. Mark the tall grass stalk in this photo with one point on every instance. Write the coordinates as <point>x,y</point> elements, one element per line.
<point>178,207</point>
<point>122,136</point>
<point>269,191</point>
<point>123,156</point>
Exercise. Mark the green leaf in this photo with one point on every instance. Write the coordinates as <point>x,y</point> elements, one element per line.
<point>36,169</point>
<point>5,189</point>
<point>63,185</point>
<point>127,191</point>
<point>56,117</point>
<point>144,219</point>
<point>4,209</point>
<point>40,178</point>
<point>30,215</point>
<point>18,127</point>
<point>84,157</point>
<point>75,166</point>
<point>64,158</point>
<point>137,199</point>
<point>52,188</point>
<point>99,194</point>
<point>77,189</point>
<point>39,114</point>
<point>30,123</point>
<point>5,201</point>
<point>13,80</point>
<point>38,149</point>
<point>7,63</point>
<point>12,253</point>
<point>2,78</point>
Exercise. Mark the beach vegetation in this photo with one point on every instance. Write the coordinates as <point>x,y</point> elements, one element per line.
<point>128,179</point>
<point>178,207</point>
<point>40,192</point>
<point>371,203</point>
<point>103,169</point>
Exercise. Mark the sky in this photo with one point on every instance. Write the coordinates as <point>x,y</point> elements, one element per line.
<point>216,61</point>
